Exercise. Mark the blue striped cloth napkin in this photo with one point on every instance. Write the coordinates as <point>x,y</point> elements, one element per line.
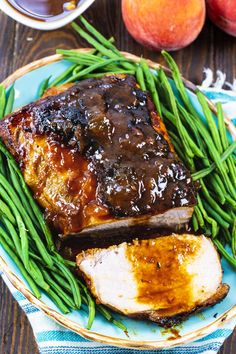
<point>54,339</point>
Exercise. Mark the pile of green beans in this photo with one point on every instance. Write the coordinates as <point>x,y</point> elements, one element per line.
<point>208,156</point>
<point>26,237</point>
<point>203,146</point>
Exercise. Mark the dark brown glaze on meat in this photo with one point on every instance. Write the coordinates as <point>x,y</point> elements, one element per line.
<point>96,152</point>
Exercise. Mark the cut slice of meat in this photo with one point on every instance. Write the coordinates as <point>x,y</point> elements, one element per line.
<point>163,279</point>
<point>97,157</point>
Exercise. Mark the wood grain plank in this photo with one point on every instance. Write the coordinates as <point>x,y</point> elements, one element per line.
<point>16,336</point>
<point>7,43</point>
<point>20,45</point>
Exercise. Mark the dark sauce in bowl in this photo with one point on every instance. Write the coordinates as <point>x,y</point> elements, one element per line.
<point>45,10</point>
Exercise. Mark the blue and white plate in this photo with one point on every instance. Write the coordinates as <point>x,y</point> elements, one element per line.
<point>141,334</point>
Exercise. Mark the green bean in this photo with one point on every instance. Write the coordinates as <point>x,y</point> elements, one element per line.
<point>151,85</point>
<point>216,188</point>
<point>62,281</point>
<point>207,230</point>
<point>195,223</point>
<point>87,56</point>
<point>82,61</point>
<point>68,52</point>
<point>42,223</point>
<point>44,86</point>
<point>190,121</point>
<point>21,268</point>
<point>107,52</point>
<point>211,221</point>
<point>2,100</point>
<point>77,69</point>
<point>234,238</point>
<point>72,281</point>
<point>70,263</point>
<point>206,171</point>
<point>58,257</point>
<point>5,211</point>
<point>28,222</point>
<point>219,181</point>
<point>213,152</point>
<point>104,312</point>
<point>21,226</point>
<point>7,238</point>
<point>18,188</point>
<point>60,304</point>
<point>211,148</point>
<point>14,235</point>
<point>2,165</point>
<point>222,128</point>
<point>195,150</point>
<point>61,293</point>
<point>33,204</point>
<point>110,318</point>
<point>170,119</point>
<point>215,215</point>
<point>177,145</point>
<point>36,273</point>
<point>10,101</point>
<point>212,126</point>
<point>40,262</point>
<point>63,76</point>
<point>214,204</point>
<point>108,73</point>
<point>230,201</point>
<point>188,162</point>
<point>232,170</point>
<point>223,251</point>
<point>224,140</point>
<point>227,235</point>
<point>39,215</point>
<point>199,217</point>
<point>140,78</point>
<point>106,43</point>
<point>178,82</point>
<point>179,125</point>
<point>91,305</point>
<point>90,69</point>
<point>119,324</point>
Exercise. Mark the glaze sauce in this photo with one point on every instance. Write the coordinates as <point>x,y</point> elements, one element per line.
<point>44,10</point>
<point>160,269</point>
<point>106,152</point>
<point>109,122</point>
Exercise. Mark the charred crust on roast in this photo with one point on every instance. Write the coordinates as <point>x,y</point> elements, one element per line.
<point>112,124</point>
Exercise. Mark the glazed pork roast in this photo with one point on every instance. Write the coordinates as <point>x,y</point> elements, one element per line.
<point>98,157</point>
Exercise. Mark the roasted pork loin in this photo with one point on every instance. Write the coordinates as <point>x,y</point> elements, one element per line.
<point>96,156</point>
<point>163,279</point>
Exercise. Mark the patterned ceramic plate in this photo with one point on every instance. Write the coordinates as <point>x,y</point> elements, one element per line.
<point>141,334</point>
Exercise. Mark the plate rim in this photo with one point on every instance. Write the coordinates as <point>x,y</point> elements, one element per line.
<point>60,318</point>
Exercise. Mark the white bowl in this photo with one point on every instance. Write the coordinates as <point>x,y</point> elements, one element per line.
<point>44,25</point>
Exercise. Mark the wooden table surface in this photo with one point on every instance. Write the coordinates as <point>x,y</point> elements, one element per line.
<point>20,45</point>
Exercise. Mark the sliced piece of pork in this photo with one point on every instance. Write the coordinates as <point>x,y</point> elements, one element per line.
<point>163,279</point>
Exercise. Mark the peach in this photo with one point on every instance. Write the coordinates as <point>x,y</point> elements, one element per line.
<point>164,24</point>
<point>223,14</point>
